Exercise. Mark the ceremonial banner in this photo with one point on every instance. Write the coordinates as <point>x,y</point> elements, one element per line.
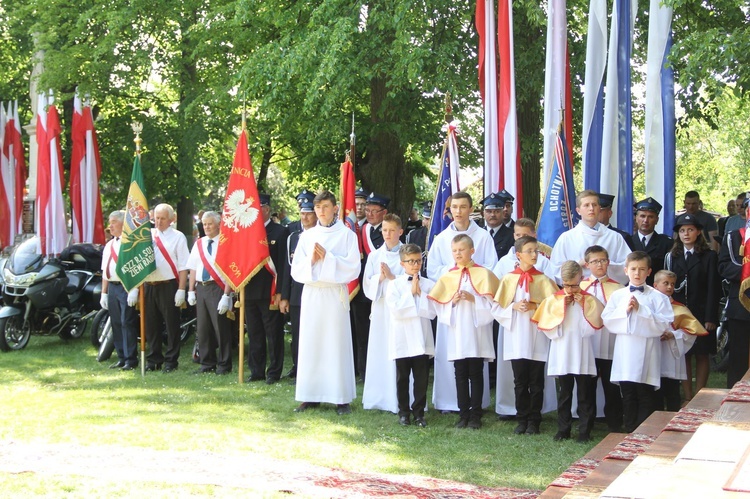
<point>348,210</point>
<point>660,114</point>
<point>13,169</point>
<point>617,141</point>
<point>593,95</point>
<point>50,212</point>
<point>558,212</point>
<point>85,171</point>
<point>243,246</point>
<point>446,186</point>
<point>137,258</point>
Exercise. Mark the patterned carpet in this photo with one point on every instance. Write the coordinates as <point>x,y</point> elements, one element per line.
<point>249,471</point>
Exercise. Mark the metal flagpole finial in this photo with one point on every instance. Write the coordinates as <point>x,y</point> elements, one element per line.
<point>137,129</point>
<point>448,108</point>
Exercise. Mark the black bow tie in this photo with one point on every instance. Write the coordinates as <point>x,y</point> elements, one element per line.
<point>636,288</point>
<point>411,277</point>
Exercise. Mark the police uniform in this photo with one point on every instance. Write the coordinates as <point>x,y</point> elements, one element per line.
<point>656,245</point>
<point>502,235</point>
<point>296,226</point>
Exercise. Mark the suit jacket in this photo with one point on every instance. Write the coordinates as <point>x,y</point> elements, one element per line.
<point>700,282</point>
<point>259,287</point>
<point>418,236</point>
<point>503,239</point>
<point>376,236</point>
<point>291,290</point>
<point>658,246</point>
<point>730,268</point>
<point>624,235</point>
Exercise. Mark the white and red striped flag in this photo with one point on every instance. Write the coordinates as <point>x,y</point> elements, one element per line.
<point>14,178</point>
<point>85,171</point>
<point>49,212</point>
<point>502,159</point>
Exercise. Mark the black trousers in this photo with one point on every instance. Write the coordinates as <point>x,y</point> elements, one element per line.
<point>360,313</point>
<point>214,331</point>
<point>639,401</point>
<point>493,363</point>
<point>265,332</point>
<point>469,387</point>
<point>612,396</point>
<point>739,346</point>
<point>160,310</point>
<point>668,395</point>
<point>528,381</point>
<point>586,391</point>
<point>419,367</point>
<point>294,316</point>
<point>125,324</point>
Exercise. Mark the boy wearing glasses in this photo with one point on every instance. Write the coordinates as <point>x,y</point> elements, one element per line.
<point>570,318</point>
<point>520,293</point>
<point>410,341</point>
<point>602,287</point>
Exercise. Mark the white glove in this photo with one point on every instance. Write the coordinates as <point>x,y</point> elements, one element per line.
<point>104,302</point>
<point>179,298</point>
<point>133,297</point>
<point>224,304</point>
<point>191,298</point>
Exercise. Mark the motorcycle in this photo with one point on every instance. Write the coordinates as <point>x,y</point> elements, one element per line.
<point>47,296</point>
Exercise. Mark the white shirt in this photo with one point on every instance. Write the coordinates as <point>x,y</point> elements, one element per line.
<point>176,245</point>
<point>195,262</point>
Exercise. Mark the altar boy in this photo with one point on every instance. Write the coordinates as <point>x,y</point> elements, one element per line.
<point>410,341</point>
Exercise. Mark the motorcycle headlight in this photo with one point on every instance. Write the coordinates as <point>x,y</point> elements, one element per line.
<point>19,280</point>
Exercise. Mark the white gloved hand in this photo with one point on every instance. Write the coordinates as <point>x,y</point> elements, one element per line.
<point>179,298</point>
<point>191,298</point>
<point>133,297</point>
<point>224,304</point>
<point>104,301</point>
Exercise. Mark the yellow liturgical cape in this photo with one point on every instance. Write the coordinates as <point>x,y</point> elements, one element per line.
<point>551,313</point>
<point>483,281</point>
<point>685,320</point>
<point>538,288</point>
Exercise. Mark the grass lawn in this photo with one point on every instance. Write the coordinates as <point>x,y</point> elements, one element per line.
<point>56,392</point>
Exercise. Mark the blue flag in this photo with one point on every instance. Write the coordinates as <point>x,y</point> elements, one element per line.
<point>446,186</point>
<point>558,210</point>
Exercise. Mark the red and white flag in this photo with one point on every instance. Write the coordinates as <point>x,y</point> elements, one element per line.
<point>13,178</point>
<point>502,158</point>
<point>85,171</point>
<point>50,211</point>
<point>243,246</point>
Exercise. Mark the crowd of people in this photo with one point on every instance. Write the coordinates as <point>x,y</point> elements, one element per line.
<point>617,317</point>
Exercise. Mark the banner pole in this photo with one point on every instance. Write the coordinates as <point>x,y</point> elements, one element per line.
<point>241,369</point>
<point>142,303</point>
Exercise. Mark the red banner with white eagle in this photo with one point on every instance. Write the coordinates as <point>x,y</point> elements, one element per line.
<point>243,246</point>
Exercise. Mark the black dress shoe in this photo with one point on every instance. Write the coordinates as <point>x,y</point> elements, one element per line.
<point>153,367</point>
<point>169,369</point>
<point>205,371</point>
<point>462,423</point>
<point>404,421</point>
<point>305,406</point>
<point>419,421</point>
<point>520,428</point>
<point>561,435</point>
<point>117,365</point>
<point>271,381</point>
<point>475,424</point>
<point>129,367</point>
<point>583,438</point>
<point>342,409</point>
<point>255,378</point>
<point>532,429</point>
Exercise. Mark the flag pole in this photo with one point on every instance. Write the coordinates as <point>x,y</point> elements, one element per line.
<point>137,129</point>
<point>241,367</point>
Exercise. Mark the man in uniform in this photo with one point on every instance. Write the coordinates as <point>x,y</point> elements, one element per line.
<point>210,295</point>
<point>371,238</point>
<point>165,290</point>
<point>498,213</point>
<point>360,201</point>
<point>710,227</point>
<point>291,290</point>
<point>647,239</point>
<point>123,317</point>
<point>262,296</point>
<point>304,194</point>
<point>419,235</point>
<point>605,214</point>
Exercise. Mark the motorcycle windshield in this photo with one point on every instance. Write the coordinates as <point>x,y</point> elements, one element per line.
<point>26,258</point>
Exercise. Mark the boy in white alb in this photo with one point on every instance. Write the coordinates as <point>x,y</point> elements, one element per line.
<point>410,341</point>
<point>570,318</point>
<point>639,315</point>
<point>520,293</point>
<point>383,265</point>
<point>463,301</point>
<point>675,341</point>
<point>601,286</point>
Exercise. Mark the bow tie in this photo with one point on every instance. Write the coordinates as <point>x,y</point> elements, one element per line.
<point>636,288</point>
<point>410,278</point>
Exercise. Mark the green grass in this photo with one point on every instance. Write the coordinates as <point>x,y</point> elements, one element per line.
<point>56,392</point>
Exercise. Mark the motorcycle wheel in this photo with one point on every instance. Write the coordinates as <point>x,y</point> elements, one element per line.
<point>97,326</point>
<point>107,345</point>
<point>13,336</point>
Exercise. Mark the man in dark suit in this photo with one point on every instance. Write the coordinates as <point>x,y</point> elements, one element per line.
<point>371,238</point>
<point>291,290</point>
<point>734,266</point>
<point>605,213</point>
<point>262,317</point>
<point>497,209</point>
<point>304,194</point>
<point>647,239</point>
<point>419,236</point>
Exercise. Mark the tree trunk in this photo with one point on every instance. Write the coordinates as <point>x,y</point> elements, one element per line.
<point>529,122</point>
